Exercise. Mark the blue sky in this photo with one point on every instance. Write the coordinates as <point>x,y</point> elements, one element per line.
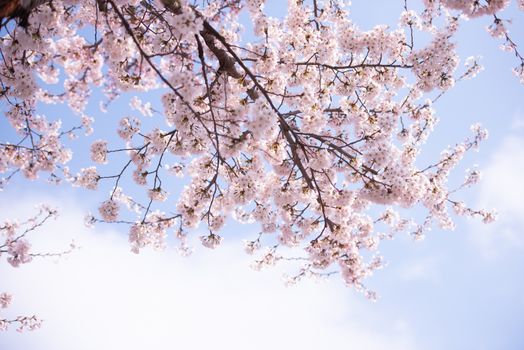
<point>453,290</point>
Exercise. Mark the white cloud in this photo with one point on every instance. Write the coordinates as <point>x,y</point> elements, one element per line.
<point>502,187</point>
<point>424,269</point>
<point>104,297</point>
<point>518,122</point>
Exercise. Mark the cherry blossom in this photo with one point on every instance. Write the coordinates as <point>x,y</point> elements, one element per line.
<point>15,244</point>
<point>99,152</point>
<point>23,322</point>
<point>109,210</point>
<point>5,300</point>
<point>302,125</point>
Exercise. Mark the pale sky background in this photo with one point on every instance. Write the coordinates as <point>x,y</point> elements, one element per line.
<point>454,290</point>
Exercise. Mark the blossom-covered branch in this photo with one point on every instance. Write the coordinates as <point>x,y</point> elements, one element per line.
<point>14,242</point>
<point>22,322</point>
<point>301,126</point>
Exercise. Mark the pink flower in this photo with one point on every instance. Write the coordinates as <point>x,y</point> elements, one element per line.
<point>211,241</point>
<point>128,127</point>
<point>99,151</point>
<point>88,178</point>
<point>19,251</point>
<point>5,300</point>
<point>9,228</point>
<point>109,210</point>
<point>157,194</point>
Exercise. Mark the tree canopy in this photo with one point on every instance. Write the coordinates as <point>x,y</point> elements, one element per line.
<point>304,124</point>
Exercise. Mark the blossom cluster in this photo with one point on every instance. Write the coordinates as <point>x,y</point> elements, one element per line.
<point>14,243</point>
<point>23,322</point>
